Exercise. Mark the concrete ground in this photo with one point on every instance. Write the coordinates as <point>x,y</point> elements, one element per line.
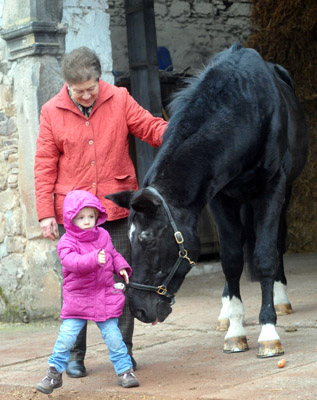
<point>182,358</point>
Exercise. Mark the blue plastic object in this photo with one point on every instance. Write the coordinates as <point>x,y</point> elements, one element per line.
<point>164,59</point>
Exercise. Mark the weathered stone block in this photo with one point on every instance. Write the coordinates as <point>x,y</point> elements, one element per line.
<point>44,278</point>
<point>2,221</point>
<point>9,277</point>
<point>240,10</point>
<point>3,127</point>
<point>34,37</point>
<point>10,110</point>
<point>13,222</point>
<point>13,157</point>
<point>160,10</point>
<point>180,9</point>
<point>9,199</point>
<point>204,9</point>
<point>3,248</point>
<point>3,171</point>
<point>12,181</point>
<point>16,244</point>
<point>11,126</point>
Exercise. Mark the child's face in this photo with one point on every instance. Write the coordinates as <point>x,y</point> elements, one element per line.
<point>86,218</point>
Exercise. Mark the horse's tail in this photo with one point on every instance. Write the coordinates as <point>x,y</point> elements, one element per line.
<point>249,245</point>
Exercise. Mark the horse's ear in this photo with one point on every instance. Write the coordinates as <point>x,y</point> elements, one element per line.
<point>145,202</point>
<point>122,199</point>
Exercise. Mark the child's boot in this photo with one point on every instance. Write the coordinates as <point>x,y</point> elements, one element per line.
<point>127,379</point>
<point>52,380</point>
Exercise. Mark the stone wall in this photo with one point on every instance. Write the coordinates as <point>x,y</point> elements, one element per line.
<point>192,30</point>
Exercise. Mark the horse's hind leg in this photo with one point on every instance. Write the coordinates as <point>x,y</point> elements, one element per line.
<point>267,212</point>
<point>269,342</point>
<point>223,318</point>
<point>226,213</point>
<point>282,304</point>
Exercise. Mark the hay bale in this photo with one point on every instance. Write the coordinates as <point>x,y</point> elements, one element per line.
<point>285,33</point>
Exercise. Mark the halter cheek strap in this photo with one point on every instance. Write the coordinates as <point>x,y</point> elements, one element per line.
<point>182,254</point>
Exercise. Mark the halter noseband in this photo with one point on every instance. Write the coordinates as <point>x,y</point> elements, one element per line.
<point>182,254</point>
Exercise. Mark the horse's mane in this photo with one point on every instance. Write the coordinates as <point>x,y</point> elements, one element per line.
<point>190,106</point>
<point>184,96</point>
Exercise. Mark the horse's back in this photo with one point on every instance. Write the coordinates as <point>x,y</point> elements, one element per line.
<point>242,96</point>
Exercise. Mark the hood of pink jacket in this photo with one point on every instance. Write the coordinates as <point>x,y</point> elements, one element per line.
<point>75,201</point>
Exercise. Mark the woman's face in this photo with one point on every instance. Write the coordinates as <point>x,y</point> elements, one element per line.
<point>85,93</point>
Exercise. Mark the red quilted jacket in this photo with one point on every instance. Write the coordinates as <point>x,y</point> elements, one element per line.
<point>92,154</point>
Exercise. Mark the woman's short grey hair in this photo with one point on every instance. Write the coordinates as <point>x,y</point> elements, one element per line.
<point>81,65</point>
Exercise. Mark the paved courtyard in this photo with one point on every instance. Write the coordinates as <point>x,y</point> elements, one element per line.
<point>182,358</point>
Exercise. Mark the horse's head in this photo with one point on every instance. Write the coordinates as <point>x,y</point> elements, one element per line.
<point>164,243</point>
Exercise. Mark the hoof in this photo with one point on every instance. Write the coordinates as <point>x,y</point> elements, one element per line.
<point>235,344</point>
<point>270,348</point>
<point>222,325</point>
<point>283,309</point>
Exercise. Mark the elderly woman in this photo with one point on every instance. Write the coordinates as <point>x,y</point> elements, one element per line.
<point>83,144</point>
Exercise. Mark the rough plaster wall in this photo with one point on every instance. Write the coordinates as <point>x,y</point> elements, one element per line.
<point>193,30</point>
<point>88,25</point>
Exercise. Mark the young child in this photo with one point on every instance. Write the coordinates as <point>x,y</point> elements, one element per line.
<point>89,290</point>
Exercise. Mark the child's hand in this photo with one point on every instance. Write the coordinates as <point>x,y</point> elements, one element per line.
<point>125,275</point>
<point>102,257</point>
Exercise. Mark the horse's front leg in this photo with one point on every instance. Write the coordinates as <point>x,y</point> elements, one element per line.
<point>226,213</point>
<point>235,339</point>
<point>282,304</point>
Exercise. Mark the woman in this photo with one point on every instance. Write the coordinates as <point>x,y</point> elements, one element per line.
<point>83,144</point>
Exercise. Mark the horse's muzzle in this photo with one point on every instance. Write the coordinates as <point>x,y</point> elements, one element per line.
<point>148,307</point>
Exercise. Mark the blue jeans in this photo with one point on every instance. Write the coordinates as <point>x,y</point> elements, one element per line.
<point>111,334</point>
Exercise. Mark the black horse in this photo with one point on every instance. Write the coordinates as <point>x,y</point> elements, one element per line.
<point>236,140</point>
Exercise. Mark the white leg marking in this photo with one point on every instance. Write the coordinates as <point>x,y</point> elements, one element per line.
<point>224,312</point>
<point>131,231</point>
<point>268,332</point>
<point>236,317</point>
<point>280,295</point>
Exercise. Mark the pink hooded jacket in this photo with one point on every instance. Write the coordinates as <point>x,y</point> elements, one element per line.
<point>88,291</point>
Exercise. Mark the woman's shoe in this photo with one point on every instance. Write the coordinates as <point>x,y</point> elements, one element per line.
<point>76,369</point>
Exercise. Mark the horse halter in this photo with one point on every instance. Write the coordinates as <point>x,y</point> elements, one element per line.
<point>182,254</point>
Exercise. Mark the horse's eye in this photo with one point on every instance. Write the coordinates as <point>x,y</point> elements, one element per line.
<point>147,238</point>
